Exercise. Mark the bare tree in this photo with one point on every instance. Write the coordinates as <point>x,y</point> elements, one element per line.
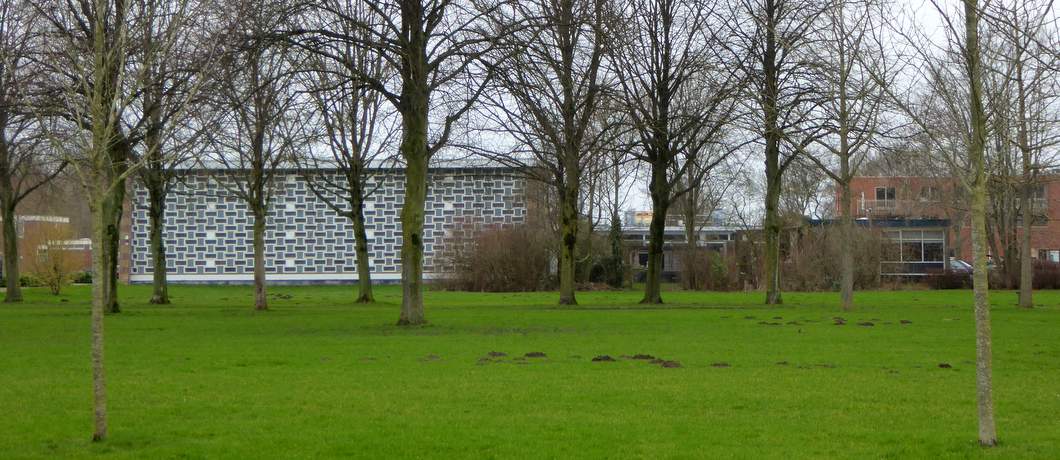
<point>91,40</point>
<point>952,111</point>
<point>359,131</point>
<point>853,107</point>
<point>88,113</point>
<point>545,97</point>
<point>25,164</point>
<point>678,97</point>
<point>172,61</point>
<point>256,125</point>
<point>1025,69</point>
<point>769,46</point>
<point>438,49</point>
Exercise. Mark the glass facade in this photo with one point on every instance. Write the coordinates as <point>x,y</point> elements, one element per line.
<point>913,252</point>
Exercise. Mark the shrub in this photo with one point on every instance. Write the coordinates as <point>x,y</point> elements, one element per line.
<point>949,280</point>
<point>705,269</point>
<point>812,262</point>
<point>83,278</point>
<point>1046,275</point>
<point>501,259</point>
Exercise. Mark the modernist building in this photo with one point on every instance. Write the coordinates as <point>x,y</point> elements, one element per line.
<point>926,221</point>
<point>710,234</point>
<point>208,231</point>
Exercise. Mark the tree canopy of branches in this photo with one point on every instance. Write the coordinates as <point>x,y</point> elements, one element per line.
<point>26,163</point>
<point>255,123</point>
<point>545,97</point>
<point>769,42</point>
<point>678,97</point>
<point>358,130</point>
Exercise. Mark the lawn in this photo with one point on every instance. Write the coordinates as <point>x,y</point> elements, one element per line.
<point>318,376</point>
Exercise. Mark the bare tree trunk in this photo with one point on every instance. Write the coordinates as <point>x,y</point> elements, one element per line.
<point>412,233</point>
<point>772,229</point>
<point>692,282</point>
<point>983,362</point>
<point>100,260</point>
<point>568,204</point>
<point>364,271</point>
<point>157,211</point>
<point>653,281</point>
<point>846,247</point>
<point>660,204</point>
<point>112,213</point>
<point>1026,268</point>
<point>11,272</point>
<point>260,295</point>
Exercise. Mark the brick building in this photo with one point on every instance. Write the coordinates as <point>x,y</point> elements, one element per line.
<point>926,212</point>
<point>36,233</point>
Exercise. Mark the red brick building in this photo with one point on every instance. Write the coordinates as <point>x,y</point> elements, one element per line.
<point>35,231</point>
<point>924,210</point>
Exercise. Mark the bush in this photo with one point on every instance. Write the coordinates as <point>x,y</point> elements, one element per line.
<point>1046,275</point>
<point>812,262</point>
<point>83,278</point>
<point>705,269</point>
<point>30,281</point>
<point>505,259</point>
<point>949,280</point>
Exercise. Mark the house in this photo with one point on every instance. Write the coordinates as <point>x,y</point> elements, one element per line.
<point>926,221</point>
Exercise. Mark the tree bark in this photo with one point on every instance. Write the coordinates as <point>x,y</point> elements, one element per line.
<point>660,204</point>
<point>100,259</point>
<point>770,99</point>
<point>1026,282</point>
<point>261,302</point>
<point>846,247</point>
<point>568,204</point>
<point>412,312</point>
<point>983,365</point>
<point>157,211</point>
<point>364,270</point>
<point>11,271</point>
<point>772,229</point>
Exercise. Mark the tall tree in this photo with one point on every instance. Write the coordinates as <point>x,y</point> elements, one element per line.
<point>545,97</point>
<point>769,43</point>
<point>358,129</point>
<point>678,98</point>
<point>256,118</point>
<point>438,49</point>
<point>853,107</point>
<point>93,74</point>
<point>952,110</point>
<point>172,61</point>
<point>25,164</point>
<point>1026,63</point>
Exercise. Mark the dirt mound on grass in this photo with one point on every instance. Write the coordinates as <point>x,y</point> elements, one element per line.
<point>603,358</point>
<point>535,354</point>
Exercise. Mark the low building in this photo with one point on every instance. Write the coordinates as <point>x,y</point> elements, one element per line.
<point>38,233</point>
<point>927,222</point>
<point>208,231</point>
<point>710,234</point>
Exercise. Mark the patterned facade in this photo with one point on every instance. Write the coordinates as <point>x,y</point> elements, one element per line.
<point>209,231</point>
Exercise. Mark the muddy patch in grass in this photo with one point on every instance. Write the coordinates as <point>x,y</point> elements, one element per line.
<point>536,354</point>
<point>603,358</point>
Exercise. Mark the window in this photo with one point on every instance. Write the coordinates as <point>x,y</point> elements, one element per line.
<point>885,193</point>
<point>929,193</point>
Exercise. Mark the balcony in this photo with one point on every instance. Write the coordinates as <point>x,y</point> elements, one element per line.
<point>899,208</point>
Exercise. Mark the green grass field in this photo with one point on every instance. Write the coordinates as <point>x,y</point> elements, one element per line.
<point>321,377</point>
